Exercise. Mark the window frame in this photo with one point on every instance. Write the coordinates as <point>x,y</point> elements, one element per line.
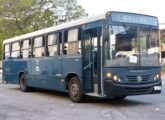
<point>11,51</point>
<point>79,39</point>
<point>4,52</point>
<point>43,46</point>
<point>30,48</point>
<point>57,43</point>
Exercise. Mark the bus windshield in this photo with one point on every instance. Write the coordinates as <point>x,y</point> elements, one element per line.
<point>132,46</point>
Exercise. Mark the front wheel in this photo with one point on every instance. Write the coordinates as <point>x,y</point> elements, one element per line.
<point>75,92</point>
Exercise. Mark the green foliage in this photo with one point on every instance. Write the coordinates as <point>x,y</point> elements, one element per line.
<point>162,36</point>
<point>18,17</point>
<point>163,67</point>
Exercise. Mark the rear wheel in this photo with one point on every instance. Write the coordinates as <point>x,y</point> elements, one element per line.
<point>23,83</point>
<point>75,92</point>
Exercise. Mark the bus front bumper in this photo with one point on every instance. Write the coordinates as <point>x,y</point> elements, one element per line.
<point>113,89</point>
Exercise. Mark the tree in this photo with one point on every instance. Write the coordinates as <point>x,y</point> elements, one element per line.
<point>18,17</point>
<point>162,36</point>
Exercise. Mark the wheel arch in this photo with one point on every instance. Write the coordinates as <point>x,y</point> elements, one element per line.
<point>68,78</point>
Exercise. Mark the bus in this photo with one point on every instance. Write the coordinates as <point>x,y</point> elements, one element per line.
<point>112,55</point>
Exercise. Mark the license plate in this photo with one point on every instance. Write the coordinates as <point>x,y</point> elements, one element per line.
<point>157,87</point>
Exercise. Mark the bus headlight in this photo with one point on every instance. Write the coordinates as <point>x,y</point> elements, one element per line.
<point>157,77</point>
<point>115,77</point>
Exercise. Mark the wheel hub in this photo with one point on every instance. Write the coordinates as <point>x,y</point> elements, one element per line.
<point>74,90</point>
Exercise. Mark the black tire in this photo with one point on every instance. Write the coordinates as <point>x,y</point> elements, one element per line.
<point>23,83</point>
<point>75,90</point>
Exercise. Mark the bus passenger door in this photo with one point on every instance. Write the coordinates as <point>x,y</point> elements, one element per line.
<point>89,58</point>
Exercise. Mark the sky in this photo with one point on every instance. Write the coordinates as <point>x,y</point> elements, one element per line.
<point>149,7</point>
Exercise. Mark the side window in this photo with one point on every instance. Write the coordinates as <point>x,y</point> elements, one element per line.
<point>26,49</point>
<point>7,51</point>
<point>38,47</point>
<point>15,50</point>
<point>72,43</point>
<point>52,44</point>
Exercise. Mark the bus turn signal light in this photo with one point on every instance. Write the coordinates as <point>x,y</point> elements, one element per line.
<point>109,75</point>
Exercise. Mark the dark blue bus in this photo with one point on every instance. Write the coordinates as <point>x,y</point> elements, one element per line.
<point>113,55</point>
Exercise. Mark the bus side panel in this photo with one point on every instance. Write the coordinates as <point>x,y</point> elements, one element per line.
<point>72,64</point>
<point>12,68</point>
<point>47,74</point>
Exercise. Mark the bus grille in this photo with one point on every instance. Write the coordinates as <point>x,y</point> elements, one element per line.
<point>134,79</point>
<point>132,91</point>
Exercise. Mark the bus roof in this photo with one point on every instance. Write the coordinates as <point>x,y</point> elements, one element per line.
<point>57,27</point>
